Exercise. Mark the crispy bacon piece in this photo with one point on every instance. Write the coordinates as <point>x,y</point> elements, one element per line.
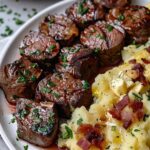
<point>132,61</point>
<point>135,111</point>
<point>141,78</point>
<point>145,61</point>
<point>84,144</point>
<point>148,49</point>
<point>116,111</point>
<point>92,136</point>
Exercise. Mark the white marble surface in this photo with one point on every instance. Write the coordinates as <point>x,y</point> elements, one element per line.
<point>17,6</point>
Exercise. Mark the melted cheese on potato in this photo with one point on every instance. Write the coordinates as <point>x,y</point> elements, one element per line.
<point>107,90</point>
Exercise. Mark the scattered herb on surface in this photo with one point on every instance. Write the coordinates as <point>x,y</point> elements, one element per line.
<point>138,96</point>
<point>79,121</point>
<point>67,133</point>
<point>86,85</point>
<point>26,147</point>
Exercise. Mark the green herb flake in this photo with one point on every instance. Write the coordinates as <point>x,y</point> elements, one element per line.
<point>24,9</point>
<point>121,17</point>
<point>21,51</point>
<point>9,11</point>
<point>34,65</point>
<point>81,9</point>
<point>107,147</point>
<point>79,121</point>
<point>12,120</point>
<point>18,21</point>
<point>23,113</point>
<point>1,21</point>
<point>22,79</point>
<point>101,36</point>
<point>146,116</point>
<point>33,78</point>
<point>45,90</point>
<point>27,72</point>
<point>56,95</point>
<point>63,57</point>
<point>86,85</point>
<point>51,48</point>
<point>113,128</point>
<point>67,134</point>
<point>136,130</point>
<point>8,31</point>
<point>36,52</point>
<point>109,27</point>
<point>26,147</point>
<point>51,84</point>
<point>137,96</point>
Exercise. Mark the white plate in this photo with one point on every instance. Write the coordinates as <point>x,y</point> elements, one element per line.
<point>9,54</point>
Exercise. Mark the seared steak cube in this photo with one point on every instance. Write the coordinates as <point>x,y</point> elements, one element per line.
<point>106,39</point>
<point>66,91</point>
<point>19,79</point>
<point>79,62</point>
<point>37,122</point>
<point>61,28</point>
<point>84,12</point>
<point>134,19</point>
<point>39,47</point>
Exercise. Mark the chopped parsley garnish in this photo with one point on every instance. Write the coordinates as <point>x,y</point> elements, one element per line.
<point>23,113</point>
<point>81,9</point>
<point>26,147</point>
<point>86,85</point>
<point>79,121</point>
<point>18,21</point>
<point>67,133</point>
<point>35,113</point>
<point>113,128</point>
<point>136,130</point>
<point>63,57</point>
<point>45,90</point>
<point>9,11</point>
<point>137,97</point>
<point>109,27</point>
<point>8,31</point>
<point>34,65</point>
<point>148,96</point>
<point>26,72</point>
<point>51,84</point>
<point>121,17</point>
<point>36,52</point>
<point>51,48</point>
<point>56,95</point>
<point>21,51</point>
<point>1,21</point>
<point>146,116</point>
<point>22,79</point>
<point>101,36</point>
<point>33,78</point>
<point>107,147</point>
<point>12,120</point>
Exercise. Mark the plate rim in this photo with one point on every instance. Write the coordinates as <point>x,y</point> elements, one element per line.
<point>10,42</point>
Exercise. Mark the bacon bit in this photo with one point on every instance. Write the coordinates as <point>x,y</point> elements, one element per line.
<point>134,112</point>
<point>126,117</point>
<point>91,134</point>
<point>84,144</point>
<point>138,67</point>
<point>146,61</point>
<point>136,105</point>
<point>148,49</point>
<point>116,111</point>
<point>132,61</point>
<point>140,114</point>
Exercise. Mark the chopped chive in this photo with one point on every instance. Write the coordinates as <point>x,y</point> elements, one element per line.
<point>109,27</point>
<point>86,85</point>
<point>79,121</point>
<point>121,17</point>
<point>26,146</point>
<point>137,96</point>
<point>33,78</point>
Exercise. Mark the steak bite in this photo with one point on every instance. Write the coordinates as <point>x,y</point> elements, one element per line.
<point>112,3</point>
<point>106,39</point>
<point>39,47</point>
<point>79,62</point>
<point>61,28</point>
<point>19,79</point>
<point>67,92</point>
<point>84,12</point>
<point>37,122</point>
<point>134,19</point>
